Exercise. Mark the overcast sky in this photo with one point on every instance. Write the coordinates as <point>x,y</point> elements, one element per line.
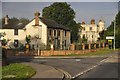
<point>85,11</point>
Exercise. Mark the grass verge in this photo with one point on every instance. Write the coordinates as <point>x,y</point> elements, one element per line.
<point>92,53</point>
<point>95,53</point>
<point>17,71</point>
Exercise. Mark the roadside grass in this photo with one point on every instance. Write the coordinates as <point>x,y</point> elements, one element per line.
<point>0,73</point>
<point>16,71</point>
<point>92,53</point>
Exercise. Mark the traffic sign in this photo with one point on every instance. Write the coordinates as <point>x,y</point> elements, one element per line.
<point>110,37</point>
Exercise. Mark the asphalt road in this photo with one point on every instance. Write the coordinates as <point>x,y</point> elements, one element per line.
<point>106,70</point>
<point>109,69</point>
<point>72,66</point>
<point>75,66</point>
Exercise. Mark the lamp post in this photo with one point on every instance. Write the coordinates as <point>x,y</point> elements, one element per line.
<point>114,33</point>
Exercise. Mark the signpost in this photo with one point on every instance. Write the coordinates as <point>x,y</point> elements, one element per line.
<point>110,38</point>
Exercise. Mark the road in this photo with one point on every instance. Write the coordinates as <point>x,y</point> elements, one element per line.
<point>75,66</point>
<point>109,69</point>
<point>106,70</point>
<point>71,65</point>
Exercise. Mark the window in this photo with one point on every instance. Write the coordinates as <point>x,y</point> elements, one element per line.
<point>65,43</point>
<point>90,28</point>
<point>92,36</point>
<point>16,43</point>
<point>50,32</point>
<point>65,33</point>
<point>83,36</point>
<point>59,33</point>
<point>15,31</point>
<point>54,32</point>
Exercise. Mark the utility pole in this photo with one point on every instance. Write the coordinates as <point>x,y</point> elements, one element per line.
<point>114,33</point>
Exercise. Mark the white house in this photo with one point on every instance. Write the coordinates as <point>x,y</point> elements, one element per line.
<point>91,31</point>
<point>43,32</point>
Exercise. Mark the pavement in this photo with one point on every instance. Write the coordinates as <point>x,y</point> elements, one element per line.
<point>45,72</point>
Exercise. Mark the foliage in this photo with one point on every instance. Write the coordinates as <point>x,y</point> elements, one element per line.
<point>102,36</point>
<point>17,72</point>
<point>110,30</point>
<point>63,14</point>
<point>28,39</point>
<point>4,42</point>
<point>60,12</point>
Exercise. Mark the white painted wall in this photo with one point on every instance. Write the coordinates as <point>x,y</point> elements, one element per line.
<point>88,33</point>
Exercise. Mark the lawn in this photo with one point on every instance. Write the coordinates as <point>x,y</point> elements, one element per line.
<point>16,71</point>
<point>93,53</point>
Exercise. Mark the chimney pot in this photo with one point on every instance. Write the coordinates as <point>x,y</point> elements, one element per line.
<point>6,19</point>
<point>37,14</point>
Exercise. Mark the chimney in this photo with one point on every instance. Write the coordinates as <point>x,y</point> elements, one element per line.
<point>83,23</point>
<point>6,19</point>
<point>92,21</point>
<point>37,14</point>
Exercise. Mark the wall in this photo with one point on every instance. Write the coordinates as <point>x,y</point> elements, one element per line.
<point>72,50</point>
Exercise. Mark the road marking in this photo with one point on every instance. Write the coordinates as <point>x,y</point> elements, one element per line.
<point>66,73</point>
<point>101,62</point>
<point>77,59</point>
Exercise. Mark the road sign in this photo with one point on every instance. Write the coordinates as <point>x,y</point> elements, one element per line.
<point>109,41</point>
<point>110,37</point>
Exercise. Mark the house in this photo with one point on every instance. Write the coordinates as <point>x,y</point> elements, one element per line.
<point>43,33</point>
<point>91,31</point>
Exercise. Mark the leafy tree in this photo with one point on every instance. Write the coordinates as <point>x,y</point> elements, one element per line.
<point>24,21</point>
<point>60,12</point>
<point>63,14</point>
<point>110,30</point>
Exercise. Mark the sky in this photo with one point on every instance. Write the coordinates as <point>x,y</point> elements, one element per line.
<point>85,11</point>
<point>60,0</point>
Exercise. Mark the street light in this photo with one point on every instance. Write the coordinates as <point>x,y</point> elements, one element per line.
<point>114,33</point>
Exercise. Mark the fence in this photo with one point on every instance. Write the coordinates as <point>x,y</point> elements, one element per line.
<point>74,49</point>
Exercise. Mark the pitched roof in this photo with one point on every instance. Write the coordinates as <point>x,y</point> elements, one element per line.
<point>13,27</point>
<point>53,24</point>
<point>48,22</point>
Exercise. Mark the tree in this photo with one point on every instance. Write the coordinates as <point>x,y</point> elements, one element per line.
<point>110,30</point>
<point>60,12</point>
<point>24,21</point>
<point>63,14</point>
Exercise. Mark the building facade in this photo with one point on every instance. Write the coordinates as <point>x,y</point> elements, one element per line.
<point>43,32</point>
<point>91,31</point>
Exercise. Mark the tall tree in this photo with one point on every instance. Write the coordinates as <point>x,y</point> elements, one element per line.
<point>110,30</point>
<point>24,21</point>
<point>63,14</point>
<point>60,12</point>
